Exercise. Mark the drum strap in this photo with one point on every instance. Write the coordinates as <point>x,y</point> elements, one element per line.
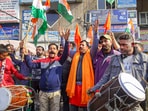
<point>2,70</point>
<point>119,59</point>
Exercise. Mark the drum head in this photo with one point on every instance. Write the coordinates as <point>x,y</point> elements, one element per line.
<point>131,86</point>
<point>5,98</point>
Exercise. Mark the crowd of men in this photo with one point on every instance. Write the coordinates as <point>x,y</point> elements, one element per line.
<point>73,75</point>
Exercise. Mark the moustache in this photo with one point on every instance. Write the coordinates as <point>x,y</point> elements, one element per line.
<point>51,53</point>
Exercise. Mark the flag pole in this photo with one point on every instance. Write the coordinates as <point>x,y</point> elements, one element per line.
<point>111,18</point>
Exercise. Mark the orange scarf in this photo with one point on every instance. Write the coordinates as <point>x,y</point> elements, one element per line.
<point>87,76</point>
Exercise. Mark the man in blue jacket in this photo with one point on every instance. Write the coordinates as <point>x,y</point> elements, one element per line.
<point>51,73</point>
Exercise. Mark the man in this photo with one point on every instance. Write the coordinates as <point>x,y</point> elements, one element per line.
<point>100,61</point>
<point>139,46</point>
<point>7,69</point>
<point>81,76</point>
<point>51,70</point>
<point>36,73</point>
<point>23,69</point>
<point>36,76</point>
<point>130,61</point>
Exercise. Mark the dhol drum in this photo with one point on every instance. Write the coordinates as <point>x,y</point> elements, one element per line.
<point>119,94</point>
<point>14,97</point>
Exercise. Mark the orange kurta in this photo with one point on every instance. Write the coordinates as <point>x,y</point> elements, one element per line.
<point>87,76</point>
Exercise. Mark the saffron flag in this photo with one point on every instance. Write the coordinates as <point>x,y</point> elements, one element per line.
<point>77,37</point>
<point>107,24</point>
<point>110,1</point>
<point>90,35</point>
<point>64,10</point>
<point>39,19</point>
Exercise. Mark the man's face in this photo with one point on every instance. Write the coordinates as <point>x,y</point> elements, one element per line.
<point>9,49</point>
<point>83,47</point>
<point>126,46</point>
<point>39,51</point>
<point>52,51</point>
<point>106,44</point>
<point>3,55</point>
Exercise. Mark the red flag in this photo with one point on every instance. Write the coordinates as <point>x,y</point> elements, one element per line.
<point>77,37</point>
<point>90,34</point>
<point>107,24</point>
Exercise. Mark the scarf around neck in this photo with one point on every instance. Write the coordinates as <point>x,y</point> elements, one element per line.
<point>87,76</point>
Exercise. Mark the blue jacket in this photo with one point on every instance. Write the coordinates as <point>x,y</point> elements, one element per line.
<point>51,72</point>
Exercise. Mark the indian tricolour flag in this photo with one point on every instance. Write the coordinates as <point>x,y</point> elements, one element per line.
<point>130,27</point>
<point>39,20</point>
<point>64,10</point>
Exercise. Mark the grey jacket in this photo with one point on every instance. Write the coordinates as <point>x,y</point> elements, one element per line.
<point>139,69</point>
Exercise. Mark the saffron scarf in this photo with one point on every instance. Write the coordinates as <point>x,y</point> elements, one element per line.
<point>87,76</point>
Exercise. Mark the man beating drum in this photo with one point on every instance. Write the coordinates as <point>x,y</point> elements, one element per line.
<point>6,71</point>
<point>130,61</point>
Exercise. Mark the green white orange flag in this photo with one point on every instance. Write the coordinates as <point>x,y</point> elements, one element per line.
<point>107,24</point>
<point>130,28</point>
<point>64,10</point>
<point>110,1</point>
<point>77,37</point>
<point>39,20</point>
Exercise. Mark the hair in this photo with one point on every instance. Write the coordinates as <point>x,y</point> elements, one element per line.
<point>85,42</point>
<point>126,36</point>
<point>73,44</point>
<point>3,49</point>
<point>53,44</point>
<point>40,47</point>
<point>9,45</point>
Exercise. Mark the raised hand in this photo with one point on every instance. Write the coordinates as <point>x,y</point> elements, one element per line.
<point>96,26</point>
<point>64,33</point>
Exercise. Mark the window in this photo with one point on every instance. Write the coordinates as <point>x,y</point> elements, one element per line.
<point>108,6</point>
<point>103,4</point>
<point>143,18</point>
<point>52,17</point>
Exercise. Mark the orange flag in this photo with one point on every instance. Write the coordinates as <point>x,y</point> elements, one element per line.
<point>90,34</point>
<point>77,37</point>
<point>47,3</point>
<point>107,24</point>
<point>131,25</point>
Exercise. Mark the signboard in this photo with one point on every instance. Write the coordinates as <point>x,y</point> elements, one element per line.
<point>30,1</point>
<point>144,35</point>
<point>26,15</point>
<point>117,16</point>
<point>126,3</point>
<point>144,39</point>
<point>12,8</point>
<point>9,32</point>
<point>50,36</point>
<point>132,14</point>
<point>114,28</point>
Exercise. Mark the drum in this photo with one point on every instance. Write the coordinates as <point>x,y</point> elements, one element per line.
<point>120,94</point>
<point>14,97</point>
